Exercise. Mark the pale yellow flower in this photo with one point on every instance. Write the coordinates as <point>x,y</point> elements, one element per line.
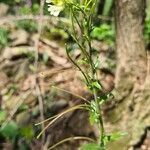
<point>54,10</point>
<point>56,6</point>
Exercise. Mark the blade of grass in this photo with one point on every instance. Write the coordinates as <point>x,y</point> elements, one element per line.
<point>70,139</point>
<point>71,93</point>
<point>60,115</point>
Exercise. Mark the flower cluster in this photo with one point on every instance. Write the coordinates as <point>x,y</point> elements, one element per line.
<point>55,6</point>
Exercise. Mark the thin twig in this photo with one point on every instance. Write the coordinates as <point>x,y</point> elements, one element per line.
<point>87,107</point>
<point>79,96</point>
<point>60,115</point>
<point>71,139</point>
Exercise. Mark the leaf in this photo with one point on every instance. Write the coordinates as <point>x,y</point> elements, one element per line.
<point>96,65</point>
<point>83,61</point>
<point>10,130</point>
<point>113,137</point>
<point>103,98</point>
<point>90,146</point>
<point>27,132</point>
<point>116,136</point>
<point>97,85</point>
<point>104,32</point>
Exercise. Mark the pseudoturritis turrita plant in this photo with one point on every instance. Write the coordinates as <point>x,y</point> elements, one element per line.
<point>81,14</point>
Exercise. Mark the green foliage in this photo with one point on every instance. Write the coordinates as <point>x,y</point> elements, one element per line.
<point>28,25</point>
<point>113,137</point>
<point>11,2</point>
<point>30,55</point>
<point>3,37</point>
<point>58,34</point>
<point>27,132</point>
<point>104,32</point>
<point>81,18</point>
<point>96,84</point>
<point>147,30</point>
<point>90,146</point>
<point>23,107</point>
<point>10,131</point>
<point>147,26</point>
<point>26,10</point>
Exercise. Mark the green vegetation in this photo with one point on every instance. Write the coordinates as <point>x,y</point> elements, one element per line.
<point>86,12</point>
<point>3,37</point>
<point>104,32</point>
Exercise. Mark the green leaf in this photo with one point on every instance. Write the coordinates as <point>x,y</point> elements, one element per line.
<point>83,61</point>
<point>90,146</point>
<point>104,32</point>
<point>104,98</point>
<point>113,137</point>
<point>27,132</point>
<point>96,65</point>
<point>97,85</point>
<point>116,136</point>
<point>10,130</point>
<point>23,107</point>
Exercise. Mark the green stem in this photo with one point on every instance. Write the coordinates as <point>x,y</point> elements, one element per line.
<point>86,78</point>
<point>93,72</point>
<point>74,35</point>
<point>86,50</point>
<point>101,126</point>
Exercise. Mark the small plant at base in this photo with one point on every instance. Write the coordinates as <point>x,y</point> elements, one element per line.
<point>81,18</point>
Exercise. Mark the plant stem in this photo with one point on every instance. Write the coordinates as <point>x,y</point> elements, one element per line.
<point>101,125</point>
<point>86,49</point>
<point>93,72</point>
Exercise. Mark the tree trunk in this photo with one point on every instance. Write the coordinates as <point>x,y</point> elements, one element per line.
<point>130,44</point>
<point>132,80</point>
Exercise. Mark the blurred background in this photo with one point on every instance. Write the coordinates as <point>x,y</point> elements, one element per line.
<point>33,60</point>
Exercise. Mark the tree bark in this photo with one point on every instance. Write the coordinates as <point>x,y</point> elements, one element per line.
<point>132,79</point>
<point>130,44</point>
